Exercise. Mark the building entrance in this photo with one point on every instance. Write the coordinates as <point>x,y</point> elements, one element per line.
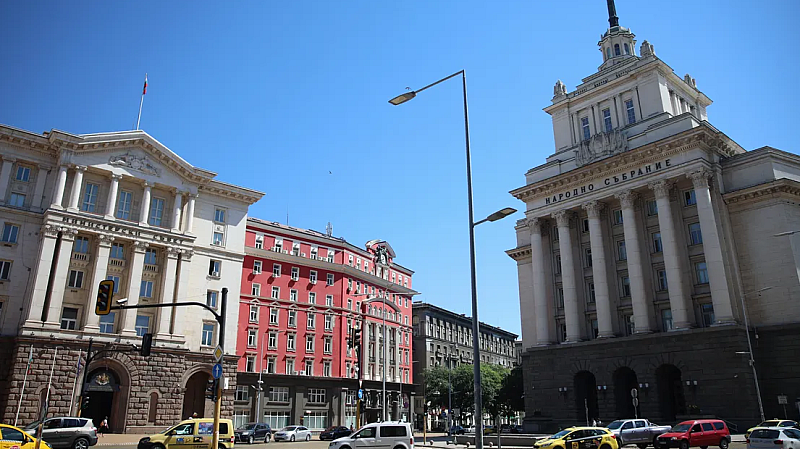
<point>102,391</point>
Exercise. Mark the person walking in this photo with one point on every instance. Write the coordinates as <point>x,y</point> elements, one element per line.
<point>103,426</point>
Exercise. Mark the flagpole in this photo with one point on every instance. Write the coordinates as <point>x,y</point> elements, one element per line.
<point>24,381</point>
<point>75,384</point>
<point>46,400</point>
<point>141,102</point>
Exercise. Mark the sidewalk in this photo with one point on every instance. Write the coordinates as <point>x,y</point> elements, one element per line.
<point>119,439</point>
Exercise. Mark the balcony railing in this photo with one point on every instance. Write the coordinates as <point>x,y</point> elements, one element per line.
<point>119,263</point>
<point>150,268</point>
<point>82,257</point>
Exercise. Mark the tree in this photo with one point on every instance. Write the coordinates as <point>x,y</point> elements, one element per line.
<point>512,393</point>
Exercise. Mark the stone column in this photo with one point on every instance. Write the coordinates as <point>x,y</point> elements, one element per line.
<point>134,285</point>
<point>47,247</point>
<point>599,274</point>
<point>111,203</point>
<point>176,212</point>
<point>639,300</point>
<point>183,288</point>
<point>540,308</point>
<point>145,210</point>
<point>99,274</point>
<point>720,295</point>
<point>59,283</point>
<point>677,296</point>
<point>75,193</point>
<point>168,293</point>
<point>188,221</point>
<point>5,177</point>
<point>571,315</point>
<point>61,185</point>
<point>41,179</point>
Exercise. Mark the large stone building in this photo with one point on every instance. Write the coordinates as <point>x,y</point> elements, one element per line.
<point>78,209</point>
<point>302,294</point>
<point>645,233</point>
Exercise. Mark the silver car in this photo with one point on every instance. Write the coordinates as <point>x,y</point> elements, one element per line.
<point>293,433</point>
<point>67,432</point>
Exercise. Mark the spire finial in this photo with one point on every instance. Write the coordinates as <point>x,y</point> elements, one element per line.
<point>613,20</point>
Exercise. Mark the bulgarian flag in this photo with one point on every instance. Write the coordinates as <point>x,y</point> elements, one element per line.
<point>144,89</point>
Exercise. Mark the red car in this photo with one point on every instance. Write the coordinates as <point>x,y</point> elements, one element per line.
<point>700,433</point>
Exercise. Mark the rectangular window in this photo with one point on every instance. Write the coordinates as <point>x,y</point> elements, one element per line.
<point>16,200</point>
<point>310,343</point>
<point>277,420</point>
<point>207,337</point>
<point>661,285</point>
<point>689,198</point>
<point>625,286</point>
<point>271,362</point>
<point>146,289</point>
<point>587,133</point>
<point>593,329</point>
<point>296,249</point>
<point>314,251</point>
<point>666,320</point>
<point>652,208</point>
<point>75,279</point>
<point>276,292</point>
<point>327,346</point>
<point>278,245</point>
<point>349,304</point>
<point>326,368</point>
<point>312,298</point>
<point>156,211</point>
<point>290,342</point>
<point>254,313</point>
<point>107,323</point>
<point>116,280</point>
<point>312,277</point>
<point>617,216</point>
<point>117,251</point>
<point>218,239</point>
<point>256,267</point>
<point>150,256</point>
<point>250,364</point>
<point>23,173</point>
<point>585,225</point>
<point>219,215</point>
<point>657,246</point>
<point>309,368</point>
<point>627,324</point>
<point>701,271</point>
<point>69,318</point>
<point>242,393</point>
<point>329,300</point>
<point>330,256</point>
<point>607,120</point>
<point>621,250</point>
<point>560,298</point>
<point>252,337</point>
<point>328,322</point>
<point>256,290</point>
<point>90,197</point>
<point>330,279</point>
<point>292,318</point>
<point>293,295</point>
<point>279,394</point>
<point>290,366</point>
<point>212,298</point>
<point>142,325</point>
<point>124,205</point>
<point>276,270</point>
<point>316,395</point>
<point>557,265</point>
<point>592,297</point>
<point>707,311</point>
<point>259,242</point>
<point>695,234</point>
<point>272,340</point>
<point>588,257</point>
<point>214,267</point>
<point>273,316</point>
<point>295,273</point>
<point>310,320</point>
<point>81,245</point>
<point>631,112</point>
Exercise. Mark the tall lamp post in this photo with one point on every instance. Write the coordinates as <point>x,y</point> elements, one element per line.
<point>750,350</point>
<point>476,352</point>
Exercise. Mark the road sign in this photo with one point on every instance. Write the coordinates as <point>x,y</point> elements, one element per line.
<point>635,402</point>
<point>783,399</point>
<point>360,393</point>
<point>217,371</point>
<point>217,353</point>
<point>360,382</point>
<point>634,393</point>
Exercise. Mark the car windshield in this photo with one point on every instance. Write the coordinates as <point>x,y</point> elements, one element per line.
<point>33,424</point>
<point>289,428</point>
<point>681,427</point>
<point>247,427</point>
<point>615,425</point>
<point>331,429</point>
<point>561,434</point>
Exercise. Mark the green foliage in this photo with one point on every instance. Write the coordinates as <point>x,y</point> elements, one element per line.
<point>497,391</point>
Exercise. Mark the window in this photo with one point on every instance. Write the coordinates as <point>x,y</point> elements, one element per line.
<point>585,225</point>
<point>330,279</point>
<point>312,277</point>
<point>271,362</point>
<point>631,112</point>
<point>217,239</point>
<point>207,337</point>
<point>69,318</point>
<point>293,295</point>
<point>701,271</point>
<point>689,198</point>
<point>666,320</point>
<point>296,249</point>
<point>316,395</point>
<point>616,50</point>
<point>350,259</point>
<point>278,394</point>
<point>695,234</point>
<point>292,318</point>
<point>16,200</point>
<point>75,279</point>
<point>625,286</point>
<point>107,323</point>
<point>617,216</point>
<point>273,316</point>
<point>276,292</point>
<point>707,311</point>
<point>593,328</point>
<point>272,340</point>
<point>295,273</point>
<point>259,242</point>
<point>329,300</point>
<point>607,120</point>
<point>81,245</point>
<point>662,285</point>
<point>211,298</point>
<point>142,325</point>
<point>314,252</point>
<point>156,211</point>
<point>591,299</point>
<point>242,393</point>
<point>588,257</point>
<point>327,345</point>
<point>309,343</point>
<point>214,267</point>
<point>278,245</point>
<point>116,282</point>
<point>23,173</point>
<point>219,215</point>
<point>146,289</point>
<point>124,202</point>
<point>627,49</point>
<point>150,256</point>
<point>621,250</point>
<point>560,297</point>
<point>627,324</point>
<point>276,420</point>
<point>11,231</point>
<point>117,251</point>
<point>89,197</point>
<point>328,322</point>
<point>652,208</point>
<point>330,256</point>
<point>326,368</point>
<point>252,336</point>
<point>290,342</point>
<point>256,290</point>
<point>349,304</point>
<point>256,267</point>
<point>250,364</point>
<point>309,368</point>
<point>557,266</point>
<point>608,52</point>
<point>310,320</point>
<point>657,246</point>
<point>312,298</point>
<point>290,366</point>
<point>254,313</point>
<point>276,270</point>
<point>587,133</point>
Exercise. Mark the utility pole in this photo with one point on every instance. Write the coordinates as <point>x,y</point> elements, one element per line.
<point>221,339</point>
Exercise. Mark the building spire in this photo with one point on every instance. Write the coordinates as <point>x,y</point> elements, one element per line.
<point>613,20</point>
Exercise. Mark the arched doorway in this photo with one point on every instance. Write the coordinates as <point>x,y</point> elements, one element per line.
<point>624,381</point>
<point>104,399</point>
<point>194,400</point>
<point>585,396</point>
<point>671,401</point>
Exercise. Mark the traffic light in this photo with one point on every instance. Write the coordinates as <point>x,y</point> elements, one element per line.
<point>85,403</point>
<point>105,294</point>
<point>211,389</point>
<point>357,337</point>
<point>147,342</point>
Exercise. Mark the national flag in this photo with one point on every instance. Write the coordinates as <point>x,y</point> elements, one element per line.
<point>79,364</point>
<point>144,89</point>
<point>30,360</point>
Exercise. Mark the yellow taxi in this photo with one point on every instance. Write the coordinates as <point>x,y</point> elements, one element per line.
<point>15,438</point>
<point>774,423</point>
<point>195,433</point>
<point>580,438</point>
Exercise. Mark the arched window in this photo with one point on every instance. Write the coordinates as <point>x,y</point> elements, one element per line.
<point>616,50</point>
<point>608,52</point>
<point>627,49</point>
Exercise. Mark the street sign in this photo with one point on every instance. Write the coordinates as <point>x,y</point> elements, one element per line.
<point>217,371</point>
<point>783,399</point>
<point>217,354</point>
<point>359,383</point>
<point>634,393</point>
<point>635,402</point>
<point>360,393</point>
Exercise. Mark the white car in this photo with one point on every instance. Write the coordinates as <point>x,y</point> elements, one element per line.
<point>293,433</point>
<point>389,435</point>
<point>774,438</point>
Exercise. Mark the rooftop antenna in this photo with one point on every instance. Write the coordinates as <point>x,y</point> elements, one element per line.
<point>613,20</point>
<point>329,229</point>
<point>287,215</point>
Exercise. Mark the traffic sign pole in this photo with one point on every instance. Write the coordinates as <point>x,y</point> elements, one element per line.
<point>221,339</point>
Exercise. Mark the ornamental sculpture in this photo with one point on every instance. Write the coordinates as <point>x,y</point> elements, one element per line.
<point>139,163</point>
<point>601,145</point>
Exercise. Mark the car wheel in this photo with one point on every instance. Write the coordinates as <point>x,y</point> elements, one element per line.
<point>655,441</point>
<point>684,444</point>
<point>723,443</point>
<point>267,438</point>
<point>642,446</point>
<point>703,447</point>
<point>80,443</point>
<point>250,439</point>
<point>158,446</point>
<point>308,438</point>
<point>292,438</point>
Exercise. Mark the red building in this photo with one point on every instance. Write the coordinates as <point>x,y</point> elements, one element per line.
<point>302,292</point>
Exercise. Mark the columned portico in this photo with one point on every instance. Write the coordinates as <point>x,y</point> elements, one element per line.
<point>75,193</point>
<point>38,192</point>
<point>571,315</point>
<point>176,213</point>
<point>599,273</point>
<point>168,293</point>
<point>189,219</point>
<point>145,210</point>
<point>61,185</point>
<point>639,299</point>
<point>543,319</point>
<point>47,246</point>
<point>111,203</point>
<point>59,284</point>
<point>134,286</point>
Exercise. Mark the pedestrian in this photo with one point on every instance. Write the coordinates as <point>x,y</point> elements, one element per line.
<point>594,423</point>
<point>351,428</point>
<point>194,415</point>
<point>104,426</point>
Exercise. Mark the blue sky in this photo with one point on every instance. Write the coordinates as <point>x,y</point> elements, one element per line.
<point>290,98</point>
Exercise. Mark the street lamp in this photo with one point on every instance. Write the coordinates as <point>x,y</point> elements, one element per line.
<point>476,354</point>
<point>750,350</point>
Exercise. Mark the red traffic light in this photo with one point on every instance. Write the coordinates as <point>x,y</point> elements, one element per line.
<point>105,294</point>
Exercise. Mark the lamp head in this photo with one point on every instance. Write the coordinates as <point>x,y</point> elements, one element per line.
<point>502,213</point>
<point>402,98</point>
<point>122,301</point>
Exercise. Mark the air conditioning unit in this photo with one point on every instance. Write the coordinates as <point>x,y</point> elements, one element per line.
<point>303,254</point>
<point>299,373</point>
<point>215,273</point>
<point>285,252</point>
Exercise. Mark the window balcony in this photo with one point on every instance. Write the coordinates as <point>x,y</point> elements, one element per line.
<point>150,268</point>
<point>116,263</point>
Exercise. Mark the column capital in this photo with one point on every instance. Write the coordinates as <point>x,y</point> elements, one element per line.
<point>80,167</point>
<point>9,159</point>
<point>44,167</point>
<point>173,252</point>
<point>661,188</point>
<point>68,233</point>
<point>627,198</point>
<point>562,218</point>
<point>116,176</point>
<point>535,224</point>
<point>593,208</point>
<point>139,247</point>
<point>105,240</point>
<point>699,178</point>
<point>147,184</point>
<point>186,255</point>
<point>192,195</point>
<point>49,231</point>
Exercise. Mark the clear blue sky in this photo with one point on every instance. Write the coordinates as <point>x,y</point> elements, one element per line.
<point>275,95</point>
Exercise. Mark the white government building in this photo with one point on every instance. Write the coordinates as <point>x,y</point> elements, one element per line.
<point>78,209</point>
<point>642,233</point>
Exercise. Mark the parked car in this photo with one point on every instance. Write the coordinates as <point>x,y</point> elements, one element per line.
<point>334,432</point>
<point>698,433</point>
<point>640,432</point>
<point>252,432</point>
<point>392,435</point>
<point>579,437</point>
<point>293,433</point>
<point>67,432</point>
<point>515,428</point>
<point>773,438</point>
<point>16,437</point>
<point>487,430</point>
<point>774,423</point>
<point>457,430</point>
<point>197,433</point>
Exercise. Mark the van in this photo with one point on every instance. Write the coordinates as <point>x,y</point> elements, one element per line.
<point>195,433</point>
<point>389,435</point>
<point>696,433</point>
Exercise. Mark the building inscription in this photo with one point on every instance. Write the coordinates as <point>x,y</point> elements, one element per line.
<point>644,170</point>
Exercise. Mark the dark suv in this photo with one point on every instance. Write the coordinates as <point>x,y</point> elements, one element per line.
<point>67,432</point>
<point>334,432</point>
<point>252,432</point>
